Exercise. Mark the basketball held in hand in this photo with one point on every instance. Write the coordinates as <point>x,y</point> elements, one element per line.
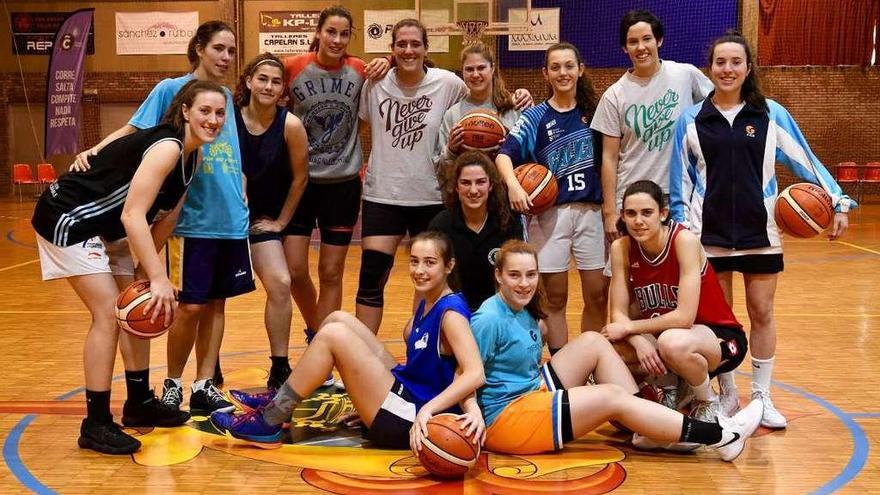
<point>130,315</point>
<point>540,184</point>
<point>482,130</point>
<point>447,452</point>
<point>803,210</point>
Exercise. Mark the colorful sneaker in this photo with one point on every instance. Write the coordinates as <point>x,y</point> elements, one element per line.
<point>107,438</point>
<point>152,412</point>
<point>644,443</point>
<point>329,381</point>
<point>249,427</point>
<point>209,399</point>
<point>736,430</point>
<point>172,394</point>
<point>705,410</point>
<point>250,402</point>
<point>729,399</point>
<point>771,417</point>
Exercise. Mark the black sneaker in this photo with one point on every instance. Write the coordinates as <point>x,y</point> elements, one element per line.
<point>218,375</point>
<point>107,438</point>
<point>152,412</point>
<point>209,399</point>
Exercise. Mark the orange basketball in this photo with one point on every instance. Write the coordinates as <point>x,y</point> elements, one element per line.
<point>540,185</point>
<point>803,210</point>
<point>447,452</point>
<point>482,130</point>
<point>130,312</point>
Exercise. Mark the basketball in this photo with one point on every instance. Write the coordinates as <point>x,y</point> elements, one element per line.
<point>803,210</point>
<point>130,312</point>
<point>482,130</point>
<point>447,452</point>
<point>540,184</point>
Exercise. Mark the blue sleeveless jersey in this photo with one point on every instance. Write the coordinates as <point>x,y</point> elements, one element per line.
<point>426,372</point>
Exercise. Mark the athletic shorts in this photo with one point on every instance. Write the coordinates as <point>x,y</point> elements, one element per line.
<point>86,258</point>
<point>390,428</point>
<point>571,228</point>
<point>737,347</point>
<point>748,263</point>
<point>332,208</point>
<point>536,422</point>
<point>205,269</point>
<point>382,219</point>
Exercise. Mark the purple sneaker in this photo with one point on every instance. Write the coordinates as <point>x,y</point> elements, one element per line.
<point>250,402</point>
<point>249,427</point>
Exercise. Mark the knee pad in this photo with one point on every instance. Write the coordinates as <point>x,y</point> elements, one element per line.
<point>375,267</point>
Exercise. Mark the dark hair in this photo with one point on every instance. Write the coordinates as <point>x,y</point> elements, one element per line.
<point>203,36</point>
<point>332,11</point>
<point>444,245</point>
<point>637,16</point>
<point>642,187</point>
<point>497,202</point>
<point>187,94</point>
<point>242,95</point>
<point>751,89</point>
<point>501,97</point>
<point>411,23</point>
<point>586,94</point>
<point>535,307</point>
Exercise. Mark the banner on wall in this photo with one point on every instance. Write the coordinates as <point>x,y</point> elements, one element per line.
<point>34,32</point>
<point>544,33</point>
<point>64,83</point>
<point>287,32</point>
<point>379,23</point>
<point>154,33</point>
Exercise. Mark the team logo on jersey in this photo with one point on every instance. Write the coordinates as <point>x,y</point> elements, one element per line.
<point>493,255</point>
<point>533,335</point>
<point>422,343</point>
<point>750,131</point>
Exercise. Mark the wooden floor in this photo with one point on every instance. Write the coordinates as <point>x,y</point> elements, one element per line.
<point>828,364</point>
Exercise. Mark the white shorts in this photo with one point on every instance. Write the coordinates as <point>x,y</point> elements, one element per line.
<point>85,258</point>
<point>572,228</point>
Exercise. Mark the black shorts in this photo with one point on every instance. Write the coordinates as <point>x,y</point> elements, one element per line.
<point>332,208</point>
<point>382,219</point>
<point>390,428</point>
<point>737,348</point>
<point>206,269</point>
<point>748,263</point>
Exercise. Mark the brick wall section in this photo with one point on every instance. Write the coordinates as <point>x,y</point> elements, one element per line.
<point>837,108</point>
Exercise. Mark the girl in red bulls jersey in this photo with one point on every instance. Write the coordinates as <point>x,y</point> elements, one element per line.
<point>684,324</point>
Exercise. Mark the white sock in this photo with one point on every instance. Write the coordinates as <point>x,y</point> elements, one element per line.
<point>703,391</point>
<point>762,373</point>
<point>177,382</point>
<point>727,382</point>
<point>199,384</point>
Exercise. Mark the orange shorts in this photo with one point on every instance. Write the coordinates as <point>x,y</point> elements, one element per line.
<point>531,424</point>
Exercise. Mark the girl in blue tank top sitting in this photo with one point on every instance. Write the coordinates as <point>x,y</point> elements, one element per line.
<point>394,401</point>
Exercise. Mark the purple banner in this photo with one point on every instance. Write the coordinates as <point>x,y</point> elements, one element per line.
<point>64,83</point>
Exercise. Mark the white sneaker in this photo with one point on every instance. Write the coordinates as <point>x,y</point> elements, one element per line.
<point>729,399</point>
<point>338,384</point>
<point>644,443</point>
<point>736,430</point>
<point>329,381</point>
<point>772,418</point>
<point>705,410</point>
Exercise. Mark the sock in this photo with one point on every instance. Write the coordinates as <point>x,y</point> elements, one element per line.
<point>727,383</point>
<point>280,366</point>
<point>98,406</point>
<point>762,372</point>
<point>137,385</point>
<point>281,406</point>
<point>696,431</point>
<point>703,391</point>
<point>199,384</point>
<point>177,381</point>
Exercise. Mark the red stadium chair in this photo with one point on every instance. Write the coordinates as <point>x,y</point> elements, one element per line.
<point>871,175</point>
<point>848,173</point>
<point>22,175</point>
<point>46,174</point>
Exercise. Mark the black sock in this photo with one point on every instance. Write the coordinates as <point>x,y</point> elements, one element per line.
<point>137,384</point>
<point>696,431</point>
<point>280,366</point>
<point>98,406</point>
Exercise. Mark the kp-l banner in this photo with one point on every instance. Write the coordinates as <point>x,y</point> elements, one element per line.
<point>64,83</point>
<point>154,33</point>
<point>287,32</point>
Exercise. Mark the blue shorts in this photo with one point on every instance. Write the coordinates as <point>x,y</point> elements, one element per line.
<point>205,269</point>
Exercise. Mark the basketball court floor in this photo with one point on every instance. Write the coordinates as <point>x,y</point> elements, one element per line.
<point>828,363</point>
